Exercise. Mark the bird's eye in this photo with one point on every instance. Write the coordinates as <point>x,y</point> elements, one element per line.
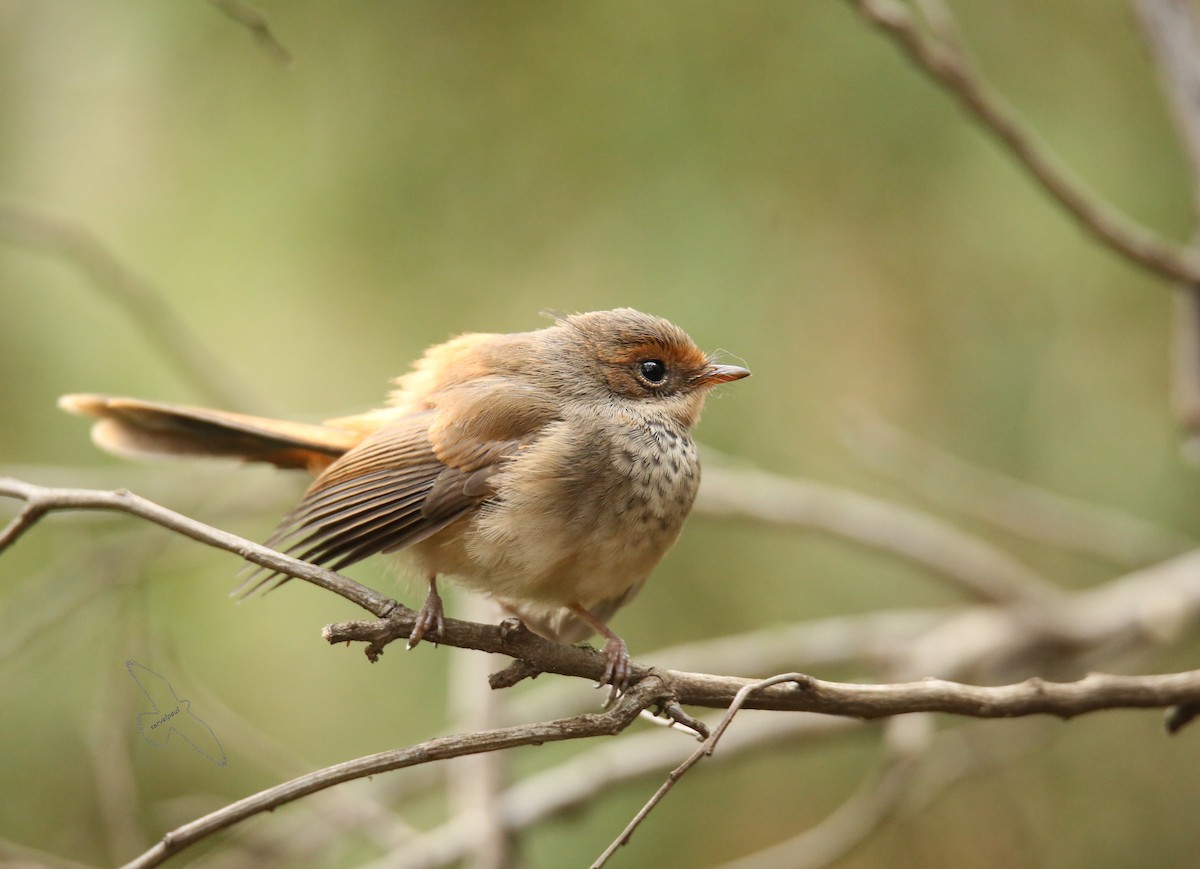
<point>653,370</point>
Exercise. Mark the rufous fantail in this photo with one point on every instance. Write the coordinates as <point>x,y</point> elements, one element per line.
<point>550,470</point>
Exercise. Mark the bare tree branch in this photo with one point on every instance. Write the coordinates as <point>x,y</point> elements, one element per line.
<point>1034,696</point>
<point>877,640</point>
<point>1139,611</point>
<point>949,67</point>
<point>40,500</point>
<point>1142,610</point>
<point>623,712</point>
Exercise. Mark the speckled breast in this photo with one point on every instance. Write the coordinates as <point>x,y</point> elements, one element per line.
<point>660,473</point>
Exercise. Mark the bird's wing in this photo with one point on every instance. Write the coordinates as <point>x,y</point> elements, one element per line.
<point>412,478</point>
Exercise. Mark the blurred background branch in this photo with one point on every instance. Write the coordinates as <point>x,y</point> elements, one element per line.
<point>256,22</point>
<point>140,301</point>
<point>1171,35</point>
<point>942,57</point>
<point>1012,505</point>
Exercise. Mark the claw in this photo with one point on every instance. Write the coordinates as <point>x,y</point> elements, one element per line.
<point>618,668</point>
<point>431,619</point>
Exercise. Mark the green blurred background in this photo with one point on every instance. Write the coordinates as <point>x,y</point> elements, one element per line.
<point>772,176</point>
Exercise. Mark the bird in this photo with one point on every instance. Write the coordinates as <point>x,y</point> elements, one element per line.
<point>550,470</point>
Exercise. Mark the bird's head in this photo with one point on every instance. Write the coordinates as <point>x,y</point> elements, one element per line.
<point>644,362</point>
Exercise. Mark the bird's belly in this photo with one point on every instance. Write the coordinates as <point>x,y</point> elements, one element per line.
<point>591,532</point>
<point>618,552</point>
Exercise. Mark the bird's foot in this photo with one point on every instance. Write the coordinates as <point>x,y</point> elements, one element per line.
<point>618,668</point>
<point>431,619</point>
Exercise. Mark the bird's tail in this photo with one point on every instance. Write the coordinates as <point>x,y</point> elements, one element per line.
<point>140,429</point>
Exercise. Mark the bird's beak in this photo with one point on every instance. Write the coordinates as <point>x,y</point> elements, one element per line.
<point>723,374</point>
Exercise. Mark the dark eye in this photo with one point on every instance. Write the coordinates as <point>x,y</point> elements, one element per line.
<point>652,370</point>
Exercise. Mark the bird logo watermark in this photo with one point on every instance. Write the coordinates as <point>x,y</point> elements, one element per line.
<point>172,715</point>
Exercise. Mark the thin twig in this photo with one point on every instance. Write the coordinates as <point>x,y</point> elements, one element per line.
<point>22,522</point>
<point>144,304</point>
<point>703,751</point>
<point>41,500</point>
<point>950,68</point>
<point>624,711</point>
<point>1033,696</point>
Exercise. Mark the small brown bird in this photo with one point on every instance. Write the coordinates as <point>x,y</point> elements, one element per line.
<point>548,469</point>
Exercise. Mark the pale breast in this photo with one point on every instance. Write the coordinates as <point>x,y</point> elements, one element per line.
<point>584,513</point>
<point>659,473</point>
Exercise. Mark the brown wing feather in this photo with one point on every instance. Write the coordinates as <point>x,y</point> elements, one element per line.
<point>373,498</point>
<point>412,478</point>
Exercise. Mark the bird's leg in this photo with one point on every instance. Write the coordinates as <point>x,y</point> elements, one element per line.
<point>619,667</point>
<point>430,618</point>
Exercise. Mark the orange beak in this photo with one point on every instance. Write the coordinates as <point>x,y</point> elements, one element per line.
<point>723,374</point>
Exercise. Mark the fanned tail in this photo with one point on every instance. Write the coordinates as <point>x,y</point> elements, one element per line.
<point>145,429</point>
